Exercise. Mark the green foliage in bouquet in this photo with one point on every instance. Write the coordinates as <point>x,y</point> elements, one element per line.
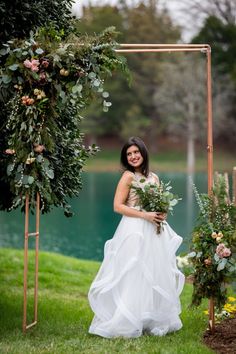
<point>214,244</point>
<point>155,197</point>
<point>45,82</point>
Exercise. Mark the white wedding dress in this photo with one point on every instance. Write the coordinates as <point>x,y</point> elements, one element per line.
<point>138,285</point>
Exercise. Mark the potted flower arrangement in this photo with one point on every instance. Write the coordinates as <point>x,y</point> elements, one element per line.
<point>214,244</point>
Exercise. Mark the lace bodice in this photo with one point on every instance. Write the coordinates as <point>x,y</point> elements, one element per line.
<point>132,200</point>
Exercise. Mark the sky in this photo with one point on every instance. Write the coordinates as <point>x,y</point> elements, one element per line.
<point>175,8</point>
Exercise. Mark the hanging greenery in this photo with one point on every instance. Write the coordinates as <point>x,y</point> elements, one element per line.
<point>45,82</point>
<point>214,244</point>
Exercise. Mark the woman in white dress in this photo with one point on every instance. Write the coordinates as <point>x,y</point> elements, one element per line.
<point>138,285</point>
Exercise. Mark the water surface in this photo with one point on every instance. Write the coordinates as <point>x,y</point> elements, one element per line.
<point>84,235</point>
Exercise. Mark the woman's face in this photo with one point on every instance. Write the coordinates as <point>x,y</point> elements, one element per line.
<point>134,157</point>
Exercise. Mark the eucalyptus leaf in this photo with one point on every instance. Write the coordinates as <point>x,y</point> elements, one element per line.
<point>39,51</point>
<point>222,264</point>
<point>23,126</point>
<point>46,163</point>
<point>25,179</point>
<point>168,188</point>
<point>77,88</point>
<point>20,168</point>
<point>96,83</point>
<point>30,179</point>
<point>13,67</point>
<point>50,173</point>
<point>39,158</point>
<point>232,269</point>
<point>173,202</point>
<point>91,75</point>
<point>6,79</point>
<point>10,168</point>
<point>3,51</point>
<point>16,201</point>
<point>192,255</point>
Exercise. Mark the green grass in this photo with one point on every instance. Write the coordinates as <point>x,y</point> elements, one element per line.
<point>65,315</point>
<point>168,161</point>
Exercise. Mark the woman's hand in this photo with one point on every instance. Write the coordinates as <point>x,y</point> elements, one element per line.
<point>161,216</point>
<point>155,217</point>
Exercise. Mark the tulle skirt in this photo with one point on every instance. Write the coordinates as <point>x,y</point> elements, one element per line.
<point>138,285</point>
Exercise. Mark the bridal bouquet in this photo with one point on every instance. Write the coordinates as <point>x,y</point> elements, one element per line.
<point>155,197</point>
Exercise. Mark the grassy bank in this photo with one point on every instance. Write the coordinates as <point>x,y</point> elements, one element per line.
<point>168,161</point>
<point>64,313</point>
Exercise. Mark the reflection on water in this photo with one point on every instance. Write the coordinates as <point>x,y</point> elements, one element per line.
<point>84,235</point>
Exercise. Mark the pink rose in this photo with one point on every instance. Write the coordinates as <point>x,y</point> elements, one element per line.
<point>27,63</point>
<point>33,64</point>
<point>222,251</point>
<point>226,252</point>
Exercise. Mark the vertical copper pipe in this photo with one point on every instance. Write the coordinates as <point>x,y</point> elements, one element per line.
<point>26,261</point>
<point>27,234</point>
<point>210,163</point>
<point>234,185</point>
<point>209,124</point>
<point>36,259</point>
<point>212,315</point>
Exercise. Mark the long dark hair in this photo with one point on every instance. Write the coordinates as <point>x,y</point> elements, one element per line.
<point>143,150</point>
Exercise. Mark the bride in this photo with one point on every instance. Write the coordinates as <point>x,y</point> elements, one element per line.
<point>138,285</point>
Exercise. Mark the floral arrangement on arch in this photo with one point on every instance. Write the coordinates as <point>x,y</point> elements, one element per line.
<point>214,244</point>
<point>45,83</point>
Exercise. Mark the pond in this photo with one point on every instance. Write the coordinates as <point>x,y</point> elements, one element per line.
<point>83,235</point>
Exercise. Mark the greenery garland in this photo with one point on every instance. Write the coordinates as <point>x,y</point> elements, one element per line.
<point>214,244</point>
<point>45,82</point>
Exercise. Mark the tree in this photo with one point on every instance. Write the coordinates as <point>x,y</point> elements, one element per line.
<point>222,38</point>
<point>183,102</point>
<point>216,23</point>
<point>224,10</point>
<point>18,17</point>
<point>145,23</point>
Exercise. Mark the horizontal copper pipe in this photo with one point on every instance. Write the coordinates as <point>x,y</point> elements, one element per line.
<point>31,325</point>
<point>33,234</point>
<point>150,45</point>
<point>156,50</point>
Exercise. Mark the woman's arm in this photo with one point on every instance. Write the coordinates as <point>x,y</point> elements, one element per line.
<point>121,195</point>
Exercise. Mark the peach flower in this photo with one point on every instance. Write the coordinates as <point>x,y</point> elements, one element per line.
<point>39,148</point>
<point>10,151</point>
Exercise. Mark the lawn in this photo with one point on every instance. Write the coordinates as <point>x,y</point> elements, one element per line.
<point>64,313</point>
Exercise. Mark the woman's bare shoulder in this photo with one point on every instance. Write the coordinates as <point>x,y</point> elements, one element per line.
<point>155,176</point>
<point>127,176</point>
